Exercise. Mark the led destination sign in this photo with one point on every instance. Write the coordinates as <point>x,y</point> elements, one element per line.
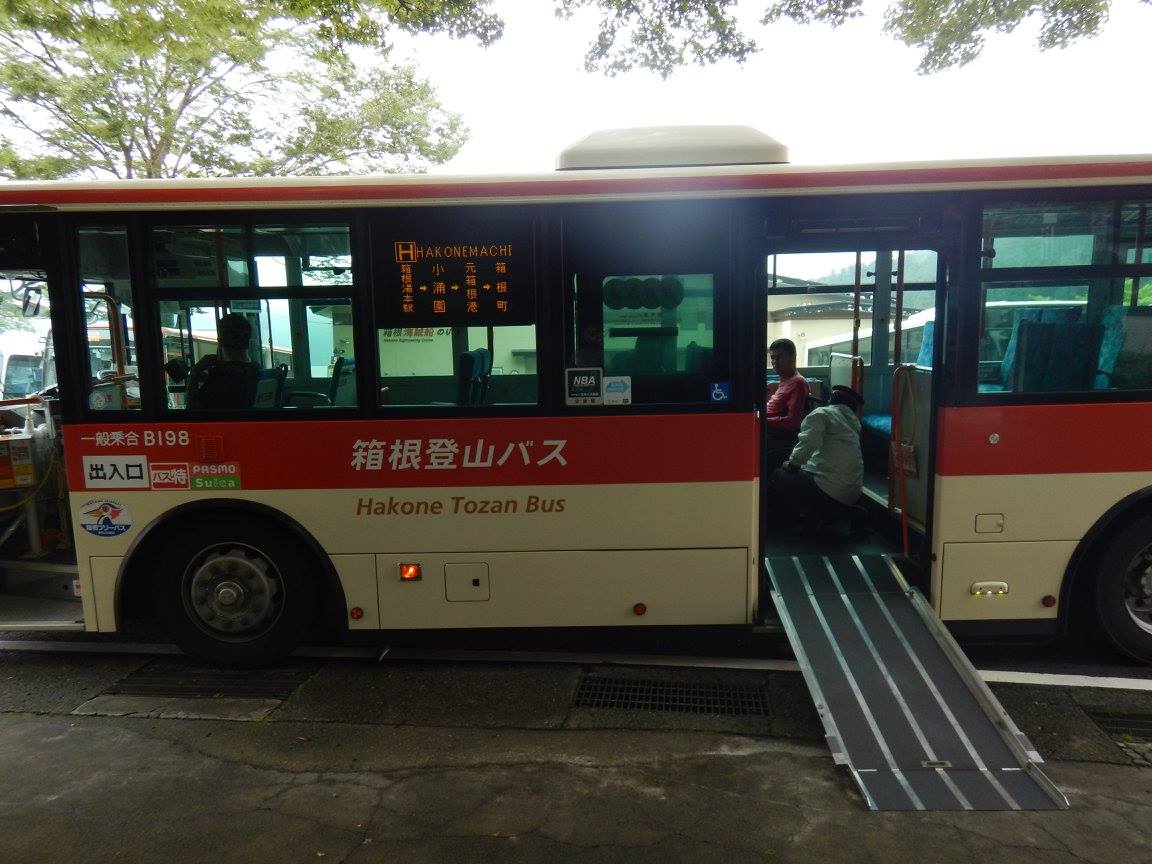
<point>460,278</point>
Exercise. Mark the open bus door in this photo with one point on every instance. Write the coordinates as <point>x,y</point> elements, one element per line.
<point>832,304</point>
<point>38,574</point>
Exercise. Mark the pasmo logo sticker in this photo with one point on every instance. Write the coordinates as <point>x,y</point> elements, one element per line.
<point>104,518</point>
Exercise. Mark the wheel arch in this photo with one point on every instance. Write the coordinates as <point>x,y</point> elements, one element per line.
<point>1079,569</point>
<point>132,577</point>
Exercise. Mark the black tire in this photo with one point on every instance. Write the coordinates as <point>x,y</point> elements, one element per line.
<point>234,590</point>
<point>1122,589</point>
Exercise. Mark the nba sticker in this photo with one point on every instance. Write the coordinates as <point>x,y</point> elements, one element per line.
<point>105,518</point>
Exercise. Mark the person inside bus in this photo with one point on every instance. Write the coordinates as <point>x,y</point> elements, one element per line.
<point>226,379</point>
<point>821,480</point>
<point>786,401</point>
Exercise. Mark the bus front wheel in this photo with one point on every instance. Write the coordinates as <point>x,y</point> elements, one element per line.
<point>235,592</point>
<point>1123,589</point>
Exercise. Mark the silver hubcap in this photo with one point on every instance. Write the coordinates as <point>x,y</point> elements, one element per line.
<point>233,592</point>
<point>1138,589</point>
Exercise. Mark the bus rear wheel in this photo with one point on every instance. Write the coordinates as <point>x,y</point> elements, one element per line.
<point>1123,589</point>
<point>234,592</point>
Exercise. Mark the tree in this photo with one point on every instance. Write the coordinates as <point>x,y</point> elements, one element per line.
<point>663,35</point>
<point>161,88</point>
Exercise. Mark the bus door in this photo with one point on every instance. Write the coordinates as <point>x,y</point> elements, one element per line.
<point>831,304</point>
<point>38,587</point>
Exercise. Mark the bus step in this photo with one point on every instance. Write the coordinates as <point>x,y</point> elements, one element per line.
<point>903,709</point>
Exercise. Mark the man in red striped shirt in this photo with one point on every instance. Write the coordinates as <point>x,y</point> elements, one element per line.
<point>785,408</point>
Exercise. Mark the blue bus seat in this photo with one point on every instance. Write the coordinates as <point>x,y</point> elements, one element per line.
<point>1125,360</point>
<point>475,368</point>
<point>270,387</point>
<point>343,389</point>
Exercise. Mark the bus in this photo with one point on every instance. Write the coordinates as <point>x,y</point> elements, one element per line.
<point>536,401</point>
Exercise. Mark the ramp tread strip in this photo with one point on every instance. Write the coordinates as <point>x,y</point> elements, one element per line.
<point>869,718</point>
<point>971,784</point>
<point>925,744</point>
<point>965,741</point>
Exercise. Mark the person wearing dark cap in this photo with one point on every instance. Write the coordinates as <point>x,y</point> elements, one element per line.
<point>226,379</point>
<point>824,473</point>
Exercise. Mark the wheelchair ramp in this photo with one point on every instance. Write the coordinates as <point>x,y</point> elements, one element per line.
<point>903,709</point>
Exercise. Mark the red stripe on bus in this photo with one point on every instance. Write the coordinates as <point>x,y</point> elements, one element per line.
<point>390,454</point>
<point>1044,439</point>
<point>562,186</point>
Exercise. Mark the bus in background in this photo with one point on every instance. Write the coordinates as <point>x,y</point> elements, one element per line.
<point>535,402</point>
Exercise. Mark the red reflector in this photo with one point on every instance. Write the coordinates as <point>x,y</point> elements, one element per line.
<point>409,572</point>
<point>1049,601</point>
<point>355,613</point>
<point>639,608</point>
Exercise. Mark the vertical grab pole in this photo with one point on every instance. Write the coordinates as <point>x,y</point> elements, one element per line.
<point>898,318</point>
<point>856,384</point>
<point>1141,227</point>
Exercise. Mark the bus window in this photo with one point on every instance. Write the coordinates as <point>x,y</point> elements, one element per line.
<point>289,256</point>
<point>106,301</point>
<point>647,301</point>
<point>301,350</point>
<point>1060,336</point>
<point>1045,332</point>
<point>644,324</point>
<point>200,256</point>
<point>810,302</point>
<point>465,366</point>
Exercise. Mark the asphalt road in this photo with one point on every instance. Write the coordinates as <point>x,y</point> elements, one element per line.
<point>143,757</point>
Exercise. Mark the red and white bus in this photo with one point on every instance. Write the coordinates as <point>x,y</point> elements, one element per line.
<point>506,402</point>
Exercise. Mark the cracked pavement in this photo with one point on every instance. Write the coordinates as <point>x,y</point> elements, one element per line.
<point>443,762</point>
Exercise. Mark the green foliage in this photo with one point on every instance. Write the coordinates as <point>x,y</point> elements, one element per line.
<point>163,88</point>
<point>951,32</point>
<point>663,35</point>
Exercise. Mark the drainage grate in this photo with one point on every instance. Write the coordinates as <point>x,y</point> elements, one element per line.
<point>1127,727</point>
<point>166,677</point>
<point>646,695</point>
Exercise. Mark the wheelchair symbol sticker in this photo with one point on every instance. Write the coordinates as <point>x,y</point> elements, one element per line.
<point>719,391</point>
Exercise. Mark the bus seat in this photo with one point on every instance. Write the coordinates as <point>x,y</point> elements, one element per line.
<point>927,344</point>
<point>1049,357</point>
<point>1125,360</point>
<point>1023,318</point>
<point>343,391</point>
<point>651,355</point>
<point>270,387</point>
<point>697,359</point>
<point>472,376</point>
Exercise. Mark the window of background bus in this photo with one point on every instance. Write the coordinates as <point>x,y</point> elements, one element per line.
<point>107,307</point>
<point>297,283</point>
<point>1067,298</point>
<point>647,299</point>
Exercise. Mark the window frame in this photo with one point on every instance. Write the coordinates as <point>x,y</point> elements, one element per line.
<point>732,219</point>
<point>973,277</point>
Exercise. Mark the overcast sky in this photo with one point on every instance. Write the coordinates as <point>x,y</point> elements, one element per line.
<point>832,95</point>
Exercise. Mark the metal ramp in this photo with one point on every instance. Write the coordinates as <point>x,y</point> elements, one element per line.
<point>903,709</point>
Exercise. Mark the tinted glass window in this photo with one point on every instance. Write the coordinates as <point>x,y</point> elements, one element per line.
<point>274,353</point>
<point>1064,234</point>
<point>107,307</point>
<point>646,305</point>
<point>458,366</point>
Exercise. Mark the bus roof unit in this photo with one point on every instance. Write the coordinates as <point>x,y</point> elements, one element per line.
<point>673,147</point>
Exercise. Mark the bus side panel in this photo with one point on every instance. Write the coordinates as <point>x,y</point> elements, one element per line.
<point>1017,490</point>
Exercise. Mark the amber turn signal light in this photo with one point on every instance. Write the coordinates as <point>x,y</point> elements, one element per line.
<point>410,573</point>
